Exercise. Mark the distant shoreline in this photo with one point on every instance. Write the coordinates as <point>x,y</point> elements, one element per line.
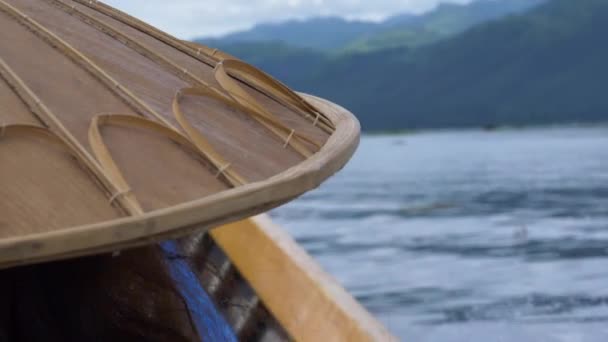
<point>401,132</point>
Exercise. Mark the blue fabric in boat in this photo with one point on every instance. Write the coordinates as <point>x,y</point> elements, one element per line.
<point>210,324</point>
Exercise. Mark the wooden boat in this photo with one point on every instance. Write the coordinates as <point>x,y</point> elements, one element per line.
<point>115,135</point>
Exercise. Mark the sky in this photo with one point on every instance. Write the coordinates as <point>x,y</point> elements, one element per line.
<point>188,19</point>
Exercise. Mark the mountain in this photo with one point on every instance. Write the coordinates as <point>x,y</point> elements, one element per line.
<point>545,66</point>
<point>316,33</point>
<point>279,47</point>
<point>336,34</point>
<point>444,21</point>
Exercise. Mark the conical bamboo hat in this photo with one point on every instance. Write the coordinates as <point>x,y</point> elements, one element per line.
<point>114,134</point>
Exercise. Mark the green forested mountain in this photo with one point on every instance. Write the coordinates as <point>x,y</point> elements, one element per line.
<point>445,21</point>
<point>336,34</point>
<point>316,33</point>
<point>545,66</point>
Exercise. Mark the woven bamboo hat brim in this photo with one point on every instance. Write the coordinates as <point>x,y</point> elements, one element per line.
<point>114,134</point>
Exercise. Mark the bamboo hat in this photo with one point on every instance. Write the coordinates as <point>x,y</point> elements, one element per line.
<point>114,134</point>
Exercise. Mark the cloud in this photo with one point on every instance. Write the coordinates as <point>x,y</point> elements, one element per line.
<point>193,18</point>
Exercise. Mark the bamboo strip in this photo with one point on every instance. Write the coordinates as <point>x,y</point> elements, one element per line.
<point>175,69</point>
<point>197,138</point>
<point>49,119</point>
<point>280,92</point>
<point>262,115</point>
<point>202,53</point>
<point>105,157</point>
<point>139,47</point>
<point>133,206</point>
<point>197,215</point>
<point>144,27</point>
<point>79,58</point>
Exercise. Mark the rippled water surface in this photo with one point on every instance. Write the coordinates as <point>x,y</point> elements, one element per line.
<point>469,236</point>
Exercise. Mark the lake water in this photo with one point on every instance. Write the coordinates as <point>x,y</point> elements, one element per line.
<point>469,235</point>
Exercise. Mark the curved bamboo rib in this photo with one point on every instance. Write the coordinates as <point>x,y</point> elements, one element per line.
<point>105,159</point>
<point>106,78</point>
<point>104,156</point>
<point>269,122</point>
<point>51,137</point>
<point>196,215</point>
<point>126,95</point>
<point>185,75</point>
<point>278,91</point>
<point>49,119</point>
<point>208,56</point>
<point>266,84</point>
<point>262,115</point>
<point>95,137</point>
<point>42,132</point>
<point>239,95</point>
<point>197,138</point>
<point>38,108</point>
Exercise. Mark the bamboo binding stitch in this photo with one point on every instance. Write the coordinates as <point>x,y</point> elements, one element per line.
<point>120,194</point>
<point>293,131</point>
<point>222,169</point>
